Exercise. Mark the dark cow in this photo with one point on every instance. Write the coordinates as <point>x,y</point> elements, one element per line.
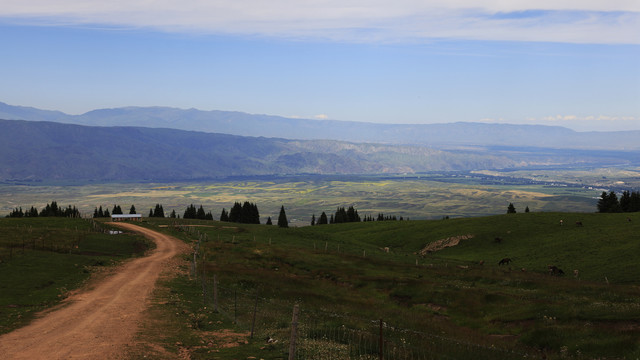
<point>504,261</point>
<point>554,270</point>
<point>497,240</point>
<point>578,223</point>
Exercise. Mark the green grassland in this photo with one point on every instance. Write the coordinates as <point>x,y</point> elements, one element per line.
<point>42,259</point>
<point>418,196</point>
<point>444,304</point>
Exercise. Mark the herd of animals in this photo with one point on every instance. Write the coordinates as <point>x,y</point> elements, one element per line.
<point>553,269</point>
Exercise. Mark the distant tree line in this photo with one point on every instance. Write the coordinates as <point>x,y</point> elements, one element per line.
<point>48,211</point>
<point>98,212</point>
<point>349,215</point>
<point>192,213</point>
<point>628,202</point>
<point>246,213</point>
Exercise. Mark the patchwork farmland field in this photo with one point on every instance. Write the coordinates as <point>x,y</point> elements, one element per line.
<point>422,196</point>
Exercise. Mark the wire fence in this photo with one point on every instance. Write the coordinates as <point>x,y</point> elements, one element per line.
<point>320,334</point>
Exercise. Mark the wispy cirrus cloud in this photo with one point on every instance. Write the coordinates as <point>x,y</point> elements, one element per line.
<point>588,21</point>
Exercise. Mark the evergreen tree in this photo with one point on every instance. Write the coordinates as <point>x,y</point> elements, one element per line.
<point>235,213</point>
<point>201,214</point>
<point>190,212</point>
<point>117,210</point>
<point>95,213</point>
<point>526,209</point>
<point>159,211</point>
<point>209,216</point>
<point>511,209</point>
<point>608,203</point>
<point>224,216</point>
<point>634,202</point>
<point>33,212</point>
<point>106,213</point>
<point>100,212</point>
<point>173,214</point>
<point>269,221</point>
<point>313,219</point>
<point>151,214</point>
<point>323,219</point>
<point>132,210</point>
<point>625,201</point>
<point>282,219</point>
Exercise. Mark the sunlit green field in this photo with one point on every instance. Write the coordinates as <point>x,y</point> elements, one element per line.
<point>431,196</point>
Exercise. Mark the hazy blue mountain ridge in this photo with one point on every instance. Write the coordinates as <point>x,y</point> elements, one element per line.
<point>34,150</point>
<point>452,135</point>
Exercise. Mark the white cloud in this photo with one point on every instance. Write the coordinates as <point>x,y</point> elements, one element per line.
<point>586,21</point>
<point>321,117</point>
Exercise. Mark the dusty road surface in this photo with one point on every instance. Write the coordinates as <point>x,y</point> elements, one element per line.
<point>100,322</point>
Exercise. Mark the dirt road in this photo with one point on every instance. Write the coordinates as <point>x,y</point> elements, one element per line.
<point>99,323</point>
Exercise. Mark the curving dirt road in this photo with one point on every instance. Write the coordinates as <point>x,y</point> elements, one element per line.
<point>101,322</point>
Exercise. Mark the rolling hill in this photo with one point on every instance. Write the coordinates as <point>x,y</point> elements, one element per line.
<point>446,136</point>
<point>33,150</point>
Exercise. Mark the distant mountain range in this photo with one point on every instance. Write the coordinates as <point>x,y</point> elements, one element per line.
<point>443,136</point>
<point>43,151</point>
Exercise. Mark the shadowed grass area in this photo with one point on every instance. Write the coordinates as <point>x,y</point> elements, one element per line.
<point>45,258</point>
<point>445,302</point>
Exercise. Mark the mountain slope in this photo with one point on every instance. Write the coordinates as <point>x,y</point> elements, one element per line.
<point>46,151</point>
<point>434,135</point>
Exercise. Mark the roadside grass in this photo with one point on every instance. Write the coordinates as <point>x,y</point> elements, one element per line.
<point>445,302</point>
<point>45,258</point>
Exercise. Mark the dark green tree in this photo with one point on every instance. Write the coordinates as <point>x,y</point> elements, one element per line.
<point>323,219</point>
<point>224,216</point>
<point>200,214</point>
<point>313,219</point>
<point>511,209</point>
<point>151,214</point>
<point>173,214</point>
<point>526,209</point>
<point>269,221</point>
<point>190,212</point>
<point>159,211</point>
<point>282,219</point>
<point>608,203</point>
<point>132,210</point>
<point>117,210</point>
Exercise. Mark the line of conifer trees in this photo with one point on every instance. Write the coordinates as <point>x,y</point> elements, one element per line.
<point>246,213</point>
<point>48,211</point>
<point>350,215</point>
<point>628,202</point>
<point>192,213</point>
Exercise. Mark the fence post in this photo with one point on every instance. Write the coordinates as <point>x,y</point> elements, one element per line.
<point>294,331</point>
<point>381,340</point>
<point>215,293</point>
<point>255,309</point>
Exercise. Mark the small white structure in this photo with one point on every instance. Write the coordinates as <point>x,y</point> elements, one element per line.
<point>125,217</point>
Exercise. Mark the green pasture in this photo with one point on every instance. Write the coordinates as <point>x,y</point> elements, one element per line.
<point>446,301</point>
<point>42,259</point>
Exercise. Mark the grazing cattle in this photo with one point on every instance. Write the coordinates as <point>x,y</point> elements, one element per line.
<point>576,273</point>
<point>629,219</point>
<point>481,262</point>
<point>498,240</point>
<point>578,223</point>
<point>504,261</point>
<point>554,270</point>
<point>561,222</point>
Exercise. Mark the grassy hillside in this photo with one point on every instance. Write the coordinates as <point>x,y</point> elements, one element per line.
<point>42,259</point>
<point>346,278</point>
<point>441,305</point>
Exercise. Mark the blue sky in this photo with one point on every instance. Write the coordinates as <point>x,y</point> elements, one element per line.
<point>555,63</point>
